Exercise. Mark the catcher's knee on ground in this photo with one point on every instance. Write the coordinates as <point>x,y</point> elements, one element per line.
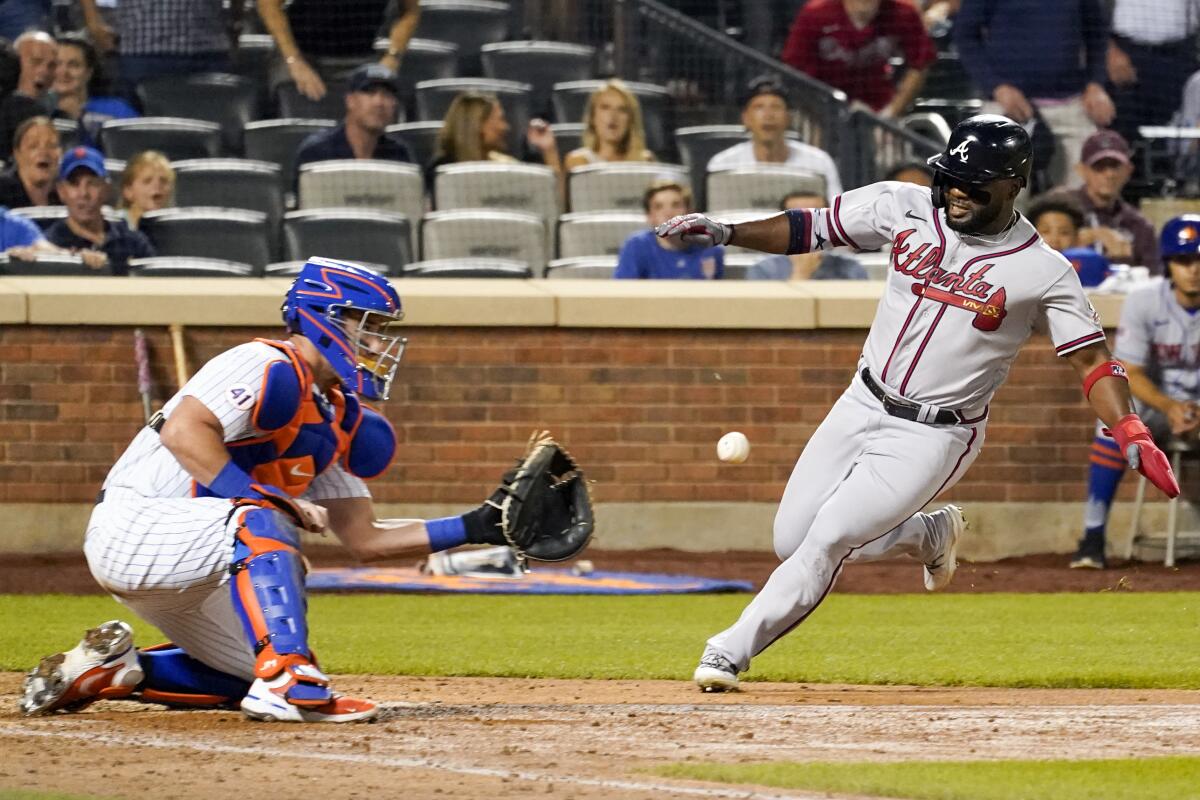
<point>175,678</point>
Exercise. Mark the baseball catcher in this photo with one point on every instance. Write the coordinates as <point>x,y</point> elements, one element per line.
<point>198,526</point>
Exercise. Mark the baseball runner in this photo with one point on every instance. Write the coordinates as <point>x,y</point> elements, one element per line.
<point>970,280</point>
<point>197,527</point>
<point>1158,341</point>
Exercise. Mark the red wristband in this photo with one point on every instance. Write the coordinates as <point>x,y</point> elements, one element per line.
<point>1109,369</point>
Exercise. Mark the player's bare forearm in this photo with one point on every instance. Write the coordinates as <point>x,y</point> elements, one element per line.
<point>368,539</point>
<point>770,235</point>
<point>1110,396</point>
<point>404,27</point>
<point>907,91</point>
<point>275,20</point>
<point>195,437</point>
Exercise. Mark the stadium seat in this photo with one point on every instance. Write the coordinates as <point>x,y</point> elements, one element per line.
<point>434,99</point>
<point>379,238</point>
<point>617,185</point>
<point>45,216</point>
<point>570,100</point>
<point>568,136</point>
<point>232,183</point>
<point>421,138</point>
<point>424,60</point>
<point>590,267</point>
<point>514,187</point>
<point>332,104</point>
<point>947,78</point>
<point>468,268</point>
<point>929,124</point>
<point>596,233</point>
<point>69,132</point>
<point>253,57</point>
<point>541,65</point>
<point>758,187</point>
<point>176,138</point>
<point>483,233</point>
<point>115,168</point>
<point>277,140</point>
<point>737,265</point>
<point>46,264</point>
<point>283,269</point>
<point>697,145</point>
<point>188,267</point>
<point>365,184</point>
<point>231,101</point>
<point>469,24</point>
<point>220,233</point>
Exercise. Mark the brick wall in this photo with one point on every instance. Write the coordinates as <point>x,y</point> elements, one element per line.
<point>641,408</point>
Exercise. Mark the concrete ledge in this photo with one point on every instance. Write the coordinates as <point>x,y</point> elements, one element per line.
<point>477,302</point>
<point>13,304</point>
<point>845,304</point>
<point>682,304</point>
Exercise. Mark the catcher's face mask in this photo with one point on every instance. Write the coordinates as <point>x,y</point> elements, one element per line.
<point>378,348</point>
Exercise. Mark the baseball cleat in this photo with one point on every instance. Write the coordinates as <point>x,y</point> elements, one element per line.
<point>265,702</point>
<point>715,673</point>
<point>1089,556</point>
<point>940,570</point>
<point>104,665</point>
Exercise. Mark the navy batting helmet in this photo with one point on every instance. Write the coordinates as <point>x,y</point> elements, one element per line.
<point>1180,237</point>
<point>981,149</point>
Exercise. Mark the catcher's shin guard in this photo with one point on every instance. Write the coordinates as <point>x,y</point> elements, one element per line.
<point>176,679</point>
<point>268,593</point>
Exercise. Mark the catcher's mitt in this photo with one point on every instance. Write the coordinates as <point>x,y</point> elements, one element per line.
<point>546,513</point>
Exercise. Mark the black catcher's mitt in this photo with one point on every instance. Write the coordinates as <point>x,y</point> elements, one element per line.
<point>546,513</point>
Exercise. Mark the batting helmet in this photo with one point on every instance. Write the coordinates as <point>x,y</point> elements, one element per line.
<point>982,148</point>
<point>344,310</point>
<point>1180,237</point>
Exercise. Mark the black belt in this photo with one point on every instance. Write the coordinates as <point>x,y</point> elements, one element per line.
<point>903,410</point>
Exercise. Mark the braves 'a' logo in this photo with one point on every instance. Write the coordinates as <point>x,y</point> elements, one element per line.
<point>961,150</point>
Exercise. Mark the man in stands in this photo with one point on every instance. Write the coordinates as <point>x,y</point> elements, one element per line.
<point>1111,225</point>
<point>39,57</point>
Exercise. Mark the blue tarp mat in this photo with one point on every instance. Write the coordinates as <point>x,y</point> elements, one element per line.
<point>537,581</point>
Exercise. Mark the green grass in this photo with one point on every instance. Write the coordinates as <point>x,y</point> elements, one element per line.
<point>1142,640</point>
<point>1117,779</point>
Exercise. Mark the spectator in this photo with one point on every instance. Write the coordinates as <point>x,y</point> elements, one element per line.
<point>1151,53</point>
<point>21,238</point>
<point>848,44</point>
<point>828,266</point>
<point>1112,226</point>
<point>371,105</point>
<point>645,255</point>
<point>915,172</point>
<point>613,128</point>
<point>320,41</point>
<point>1048,56</point>
<point>765,114</point>
<point>147,184</point>
<point>475,129</point>
<point>36,154</point>
<point>38,53</point>
<point>77,70</point>
<point>155,38</point>
<point>1058,218</point>
<point>83,185</point>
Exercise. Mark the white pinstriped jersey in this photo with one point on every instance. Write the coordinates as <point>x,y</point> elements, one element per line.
<point>1158,335</point>
<point>955,309</point>
<point>228,386</point>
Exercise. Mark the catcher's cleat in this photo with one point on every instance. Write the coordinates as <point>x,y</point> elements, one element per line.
<point>950,523</point>
<point>104,665</point>
<point>715,673</point>
<point>267,702</point>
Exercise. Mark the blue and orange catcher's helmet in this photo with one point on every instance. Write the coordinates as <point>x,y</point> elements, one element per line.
<point>1180,237</point>
<point>346,311</point>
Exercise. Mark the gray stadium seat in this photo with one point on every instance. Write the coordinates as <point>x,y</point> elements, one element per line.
<point>596,233</point>
<point>176,138</point>
<point>617,186</point>
<point>737,265</point>
<point>69,132</point>
<point>232,183</point>
<point>115,168</point>
<point>293,104</point>
<point>570,100</point>
<point>188,267</point>
<point>253,58</point>
<point>589,267</point>
<point>568,136</point>
<point>47,264</point>
<point>931,125</point>
<point>231,101</point>
<point>277,140</point>
<point>45,216</point>
<point>379,238</point>
<point>421,138</point>
<point>284,269</point>
<point>365,184</point>
<point>483,233</point>
<point>758,187</point>
<point>221,233</point>
<point>541,65</point>
<point>424,60</point>
<point>697,145</point>
<point>469,24</point>
<point>434,99</point>
<point>486,184</point>
<point>468,268</point>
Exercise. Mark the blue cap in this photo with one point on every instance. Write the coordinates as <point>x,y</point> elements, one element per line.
<point>82,157</point>
<point>368,76</point>
<point>1092,267</point>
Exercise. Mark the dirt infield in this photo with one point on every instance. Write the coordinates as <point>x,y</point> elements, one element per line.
<point>502,738</point>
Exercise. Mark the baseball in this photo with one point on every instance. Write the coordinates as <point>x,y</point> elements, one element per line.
<point>733,447</point>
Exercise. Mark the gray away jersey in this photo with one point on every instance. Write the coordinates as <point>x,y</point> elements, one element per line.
<point>1159,336</point>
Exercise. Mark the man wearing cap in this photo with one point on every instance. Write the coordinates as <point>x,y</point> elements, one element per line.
<point>1112,226</point>
<point>83,186</point>
<point>765,112</point>
<point>371,104</point>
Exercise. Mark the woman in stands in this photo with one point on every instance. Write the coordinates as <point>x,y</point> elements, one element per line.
<point>74,79</point>
<point>147,184</point>
<point>475,129</point>
<point>37,152</point>
<point>613,128</point>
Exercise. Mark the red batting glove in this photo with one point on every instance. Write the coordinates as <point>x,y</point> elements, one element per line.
<point>1133,437</point>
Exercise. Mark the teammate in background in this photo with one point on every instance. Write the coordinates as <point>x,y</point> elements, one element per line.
<point>969,280</point>
<point>613,129</point>
<point>645,255</point>
<point>198,525</point>
<point>1158,341</point>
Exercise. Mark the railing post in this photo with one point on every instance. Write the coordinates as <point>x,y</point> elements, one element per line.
<point>626,42</point>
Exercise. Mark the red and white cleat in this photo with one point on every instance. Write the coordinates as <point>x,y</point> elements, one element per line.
<point>267,701</point>
<point>104,665</point>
